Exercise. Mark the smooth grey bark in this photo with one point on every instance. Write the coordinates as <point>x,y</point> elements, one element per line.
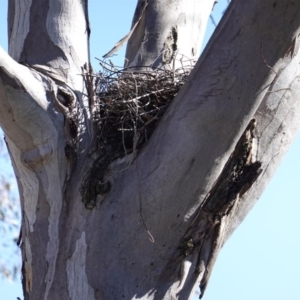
<point>195,180</point>
<point>167,30</point>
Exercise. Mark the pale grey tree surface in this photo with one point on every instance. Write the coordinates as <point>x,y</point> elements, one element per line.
<point>190,186</point>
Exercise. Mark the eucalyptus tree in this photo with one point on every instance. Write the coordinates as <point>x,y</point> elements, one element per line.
<point>151,225</point>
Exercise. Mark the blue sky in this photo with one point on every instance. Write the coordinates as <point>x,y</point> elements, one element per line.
<point>260,261</point>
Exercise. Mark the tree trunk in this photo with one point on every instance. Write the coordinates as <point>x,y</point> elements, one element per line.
<point>87,237</point>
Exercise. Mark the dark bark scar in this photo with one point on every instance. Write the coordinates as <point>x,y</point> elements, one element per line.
<point>208,228</point>
<point>170,46</point>
<point>205,235</point>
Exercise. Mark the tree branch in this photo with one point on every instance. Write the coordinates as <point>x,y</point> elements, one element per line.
<point>177,28</point>
<point>55,35</point>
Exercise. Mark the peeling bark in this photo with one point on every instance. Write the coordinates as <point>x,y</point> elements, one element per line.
<point>77,280</point>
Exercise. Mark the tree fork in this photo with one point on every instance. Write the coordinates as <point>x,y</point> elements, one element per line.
<point>104,253</point>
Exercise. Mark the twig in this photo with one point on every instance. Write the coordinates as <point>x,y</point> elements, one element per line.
<point>151,238</point>
<point>261,54</point>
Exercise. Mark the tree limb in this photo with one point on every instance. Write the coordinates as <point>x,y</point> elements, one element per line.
<point>61,31</point>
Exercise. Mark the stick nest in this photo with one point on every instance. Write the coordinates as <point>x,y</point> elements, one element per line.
<point>132,104</point>
<point>126,106</point>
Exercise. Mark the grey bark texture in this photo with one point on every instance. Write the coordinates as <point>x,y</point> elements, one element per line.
<point>167,30</point>
<point>192,184</point>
